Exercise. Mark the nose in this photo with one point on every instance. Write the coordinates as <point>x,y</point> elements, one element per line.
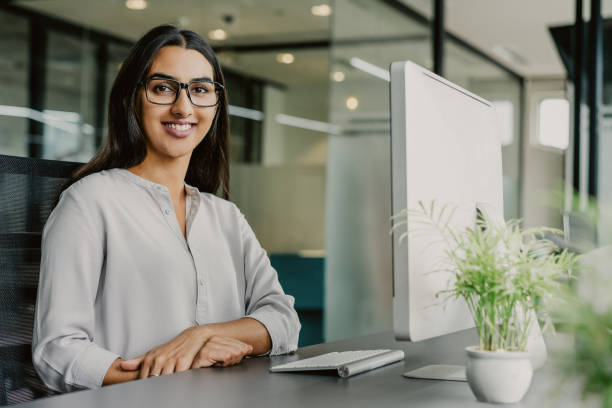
<point>182,107</point>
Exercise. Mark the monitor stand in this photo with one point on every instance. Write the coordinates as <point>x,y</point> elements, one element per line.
<point>443,372</point>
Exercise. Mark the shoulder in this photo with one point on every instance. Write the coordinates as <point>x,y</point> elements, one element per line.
<point>220,206</point>
<point>95,187</point>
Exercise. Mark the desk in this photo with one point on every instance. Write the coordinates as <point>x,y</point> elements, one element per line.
<point>249,384</point>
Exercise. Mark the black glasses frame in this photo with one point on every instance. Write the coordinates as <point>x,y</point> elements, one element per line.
<point>182,85</point>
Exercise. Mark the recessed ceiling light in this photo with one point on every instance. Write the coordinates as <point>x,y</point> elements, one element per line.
<point>217,34</point>
<point>285,58</point>
<point>136,4</point>
<point>337,76</point>
<point>352,103</point>
<point>322,10</point>
<point>182,21</point>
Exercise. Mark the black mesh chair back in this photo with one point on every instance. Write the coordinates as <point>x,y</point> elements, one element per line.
<point>28,190</point>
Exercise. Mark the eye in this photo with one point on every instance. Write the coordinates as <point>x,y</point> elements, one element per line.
<point>200,88</point>
<point>161,88</point>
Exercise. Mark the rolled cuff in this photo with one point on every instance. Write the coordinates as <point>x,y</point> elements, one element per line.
<point>280,341</point>
<point>91,366</point>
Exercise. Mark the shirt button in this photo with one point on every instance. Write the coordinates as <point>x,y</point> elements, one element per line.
<point>167,211</point>
<point>201,282</point>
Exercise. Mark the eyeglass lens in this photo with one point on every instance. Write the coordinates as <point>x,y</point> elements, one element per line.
<point>164,91</point>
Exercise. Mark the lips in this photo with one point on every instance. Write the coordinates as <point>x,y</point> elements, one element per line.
<point>179,129</point>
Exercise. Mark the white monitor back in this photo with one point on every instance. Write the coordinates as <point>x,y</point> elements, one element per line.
<point>445,146</point>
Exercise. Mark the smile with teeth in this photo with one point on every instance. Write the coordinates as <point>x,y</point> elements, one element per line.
<point>185,126</point>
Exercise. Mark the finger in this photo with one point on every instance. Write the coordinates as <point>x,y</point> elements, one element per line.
<point>224,357</point>
<point>232,343</point>
<point>183,364</point>
<point>158,365</point>
<point>145,367</point>
<point>202,359</point>
<point>168,368</point>
<point>132,364</point>
<point>236,346</point>
<point>242,346</point>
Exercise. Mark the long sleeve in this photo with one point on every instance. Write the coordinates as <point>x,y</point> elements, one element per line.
<point>265,299</point>
<point>63,348</point>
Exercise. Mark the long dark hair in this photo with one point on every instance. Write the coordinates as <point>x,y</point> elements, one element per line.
<point>125,145</point>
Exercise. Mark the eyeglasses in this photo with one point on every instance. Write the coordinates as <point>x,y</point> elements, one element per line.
<point>165,91</point>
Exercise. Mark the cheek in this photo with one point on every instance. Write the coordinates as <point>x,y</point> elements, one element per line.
<point>208,120</point>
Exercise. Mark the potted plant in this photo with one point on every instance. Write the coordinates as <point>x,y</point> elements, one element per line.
<point>504,274</point>
<point>586,315</point>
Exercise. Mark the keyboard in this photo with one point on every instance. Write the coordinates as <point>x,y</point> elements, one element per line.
<point>346,363</point>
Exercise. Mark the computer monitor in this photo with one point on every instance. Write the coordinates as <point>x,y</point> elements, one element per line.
<point>445,148</point>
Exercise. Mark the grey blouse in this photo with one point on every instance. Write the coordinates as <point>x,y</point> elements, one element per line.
<point>117,276</point>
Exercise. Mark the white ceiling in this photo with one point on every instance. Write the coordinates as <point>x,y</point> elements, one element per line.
<point>518,25</point>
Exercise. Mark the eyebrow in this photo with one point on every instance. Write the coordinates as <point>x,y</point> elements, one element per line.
<point>166,76</point>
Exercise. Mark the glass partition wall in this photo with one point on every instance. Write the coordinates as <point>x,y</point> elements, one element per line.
<point>366,38</point>
<point>14,68</point>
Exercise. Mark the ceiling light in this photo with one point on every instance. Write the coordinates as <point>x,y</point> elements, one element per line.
<point>337,76</point>
<point>370,68</point>
<point>182,21</point>
<point>509,54</point>
<point>285,58</point>
<point>136,4</point>
<point>352,103</point>
<point>309,124</point>
<point>322,10</point>
<point>217,34</point>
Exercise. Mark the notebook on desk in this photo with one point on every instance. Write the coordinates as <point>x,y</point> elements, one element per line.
<point>346,363</point>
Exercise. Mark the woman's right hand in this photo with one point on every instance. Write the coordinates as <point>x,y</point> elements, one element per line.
<point>116,374</point>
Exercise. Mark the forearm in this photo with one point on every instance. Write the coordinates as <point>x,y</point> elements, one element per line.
<point>246,329</point>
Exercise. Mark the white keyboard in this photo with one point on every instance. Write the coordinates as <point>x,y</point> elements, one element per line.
<point>346,362</point>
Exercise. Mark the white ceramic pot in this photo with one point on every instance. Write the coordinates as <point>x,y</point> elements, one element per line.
<point>498,376</point>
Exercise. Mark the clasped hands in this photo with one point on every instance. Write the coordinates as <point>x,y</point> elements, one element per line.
<point>193,348</point>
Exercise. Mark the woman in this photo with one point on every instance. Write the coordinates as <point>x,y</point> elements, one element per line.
<point>144,271</point>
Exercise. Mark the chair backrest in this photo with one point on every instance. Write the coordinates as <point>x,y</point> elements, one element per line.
<point>28,190</point>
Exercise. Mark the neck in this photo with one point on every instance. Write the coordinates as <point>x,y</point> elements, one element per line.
<point>170,173</point>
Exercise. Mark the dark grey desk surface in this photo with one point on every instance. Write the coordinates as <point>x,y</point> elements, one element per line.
<point>249,384</point>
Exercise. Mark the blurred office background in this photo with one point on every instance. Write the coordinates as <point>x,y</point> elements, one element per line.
<point>310,123</point>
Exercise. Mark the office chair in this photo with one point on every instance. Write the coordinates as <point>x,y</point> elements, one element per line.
<point>28,190</point>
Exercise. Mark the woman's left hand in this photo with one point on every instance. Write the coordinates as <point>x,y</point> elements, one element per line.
<point>175,356</point>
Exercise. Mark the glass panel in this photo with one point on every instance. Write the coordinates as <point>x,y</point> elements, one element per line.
<point>604,171</point>
<point>487,80</point>
<point>366,37</point>
<point>279,125</point>
<point>69,132</point>
<point>116,54</point>
<point>14,38</point>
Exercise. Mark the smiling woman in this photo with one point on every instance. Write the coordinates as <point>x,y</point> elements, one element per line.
<point>144,270</point>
